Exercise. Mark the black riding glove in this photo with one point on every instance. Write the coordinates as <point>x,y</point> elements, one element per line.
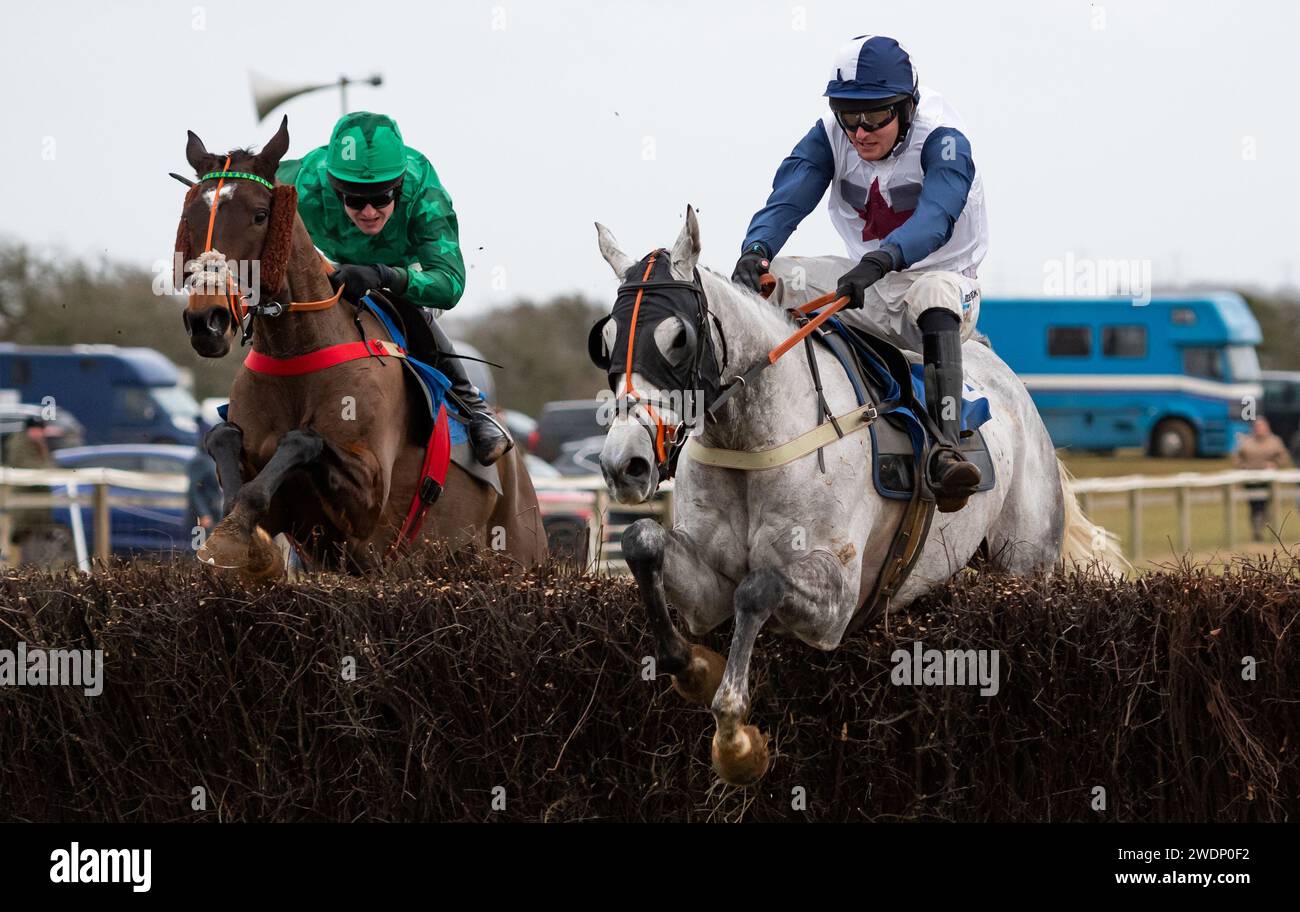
<point>357,280</point>
<point>751,267</point>
<point>854,283</point>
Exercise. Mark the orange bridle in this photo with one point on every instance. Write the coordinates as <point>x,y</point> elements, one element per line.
<point>630,395</point>
<point>235,299</point>
<point>664,438</point>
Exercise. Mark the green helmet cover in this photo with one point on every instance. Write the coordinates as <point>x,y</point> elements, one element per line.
<point>366,148</point>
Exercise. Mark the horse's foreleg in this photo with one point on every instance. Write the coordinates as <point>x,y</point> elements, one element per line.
<point>225,444</point>
<point>233,544</point>
<point>740,754</point>
<point>807,598</point>
<point>695,669</point>
<point>295,449</point>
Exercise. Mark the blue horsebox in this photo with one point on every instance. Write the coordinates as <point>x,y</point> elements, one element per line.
<point>121,394</point>
<point>1176,375</point>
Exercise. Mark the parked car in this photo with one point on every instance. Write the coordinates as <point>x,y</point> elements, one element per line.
<point>1281,406</point>
<point>539,468</point>
<point>565,421</point>
<point>580,457</point>
<point>566,513</point>
<point>479,373</point>
<point>519,425</point>
<point>208,411</point>
<point>139,527</point>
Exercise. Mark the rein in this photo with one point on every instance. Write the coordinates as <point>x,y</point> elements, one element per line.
<point>744,379</point>
<point>236,300</point>
<point>669,443</point>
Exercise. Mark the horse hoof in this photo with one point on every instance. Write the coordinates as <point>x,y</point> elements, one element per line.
<point>265,559</point>
<point>226,548</point>
<point>745,760</point>
<point>699,682</point>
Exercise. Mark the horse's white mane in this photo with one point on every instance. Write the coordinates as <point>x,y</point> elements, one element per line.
<point>777,320</point>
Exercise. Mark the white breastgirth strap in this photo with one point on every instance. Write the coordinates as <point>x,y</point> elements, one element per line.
<point>752,460</point>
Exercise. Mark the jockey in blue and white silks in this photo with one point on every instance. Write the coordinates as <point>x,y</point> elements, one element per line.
<point>907,200</point>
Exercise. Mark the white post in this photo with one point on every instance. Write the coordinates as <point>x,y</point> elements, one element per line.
<point>1184,519</point>
<point>1230,514</point>
<point>6,526</point>
<point>1135,522</point>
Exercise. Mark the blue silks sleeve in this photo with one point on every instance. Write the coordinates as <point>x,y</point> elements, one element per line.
<point>797,188</point>
<point>949,172</point>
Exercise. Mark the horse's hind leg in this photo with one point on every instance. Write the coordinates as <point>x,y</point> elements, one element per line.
<point>238,542</point>
<point>807,598</point>
<point>695,669</point>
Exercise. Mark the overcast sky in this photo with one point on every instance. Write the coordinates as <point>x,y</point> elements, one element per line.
<point>1160,131</point>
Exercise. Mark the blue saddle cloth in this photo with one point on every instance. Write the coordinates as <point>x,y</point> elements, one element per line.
<point>974,410</point>
<point>433,381</point>
<point>891,479</point>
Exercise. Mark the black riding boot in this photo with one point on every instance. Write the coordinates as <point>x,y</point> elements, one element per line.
<point>952,478</point>
<point>487,438</point>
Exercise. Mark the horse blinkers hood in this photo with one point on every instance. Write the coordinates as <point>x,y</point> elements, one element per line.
<point>642,304</point>
<point>648,296</point>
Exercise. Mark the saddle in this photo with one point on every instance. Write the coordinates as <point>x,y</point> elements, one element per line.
<point>406,326</point>
<point>894,381</point>
<point>406,318</point>
<point>884,376</point>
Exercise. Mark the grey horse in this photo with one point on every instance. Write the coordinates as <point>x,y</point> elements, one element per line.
<point>793,546</point>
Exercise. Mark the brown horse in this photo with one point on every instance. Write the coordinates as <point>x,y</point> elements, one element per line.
<point>331,458</point>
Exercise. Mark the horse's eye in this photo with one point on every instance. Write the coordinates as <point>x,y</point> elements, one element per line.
<point>260,216</point>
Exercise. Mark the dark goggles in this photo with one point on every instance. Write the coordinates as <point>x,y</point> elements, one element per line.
<point>871,121</point>
<point>359,201</point>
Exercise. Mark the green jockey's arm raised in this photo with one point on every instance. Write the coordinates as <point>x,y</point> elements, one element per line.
<point>375,207</point>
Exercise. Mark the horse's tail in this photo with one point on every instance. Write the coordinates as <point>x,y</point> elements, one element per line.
<point>1084,541</point>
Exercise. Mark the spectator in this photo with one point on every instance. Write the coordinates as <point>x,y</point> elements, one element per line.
<point>1261,449</point>
<point>27,449</point>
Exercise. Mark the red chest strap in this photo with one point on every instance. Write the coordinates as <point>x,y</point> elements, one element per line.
<point>437,452</point>
<point>321,358</point>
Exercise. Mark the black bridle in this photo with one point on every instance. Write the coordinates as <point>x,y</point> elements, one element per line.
<point>704,374</point>
<point>660,297</point>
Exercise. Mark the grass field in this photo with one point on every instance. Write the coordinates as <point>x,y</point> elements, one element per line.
<point>1134,462</point>
<point>1160,533</point>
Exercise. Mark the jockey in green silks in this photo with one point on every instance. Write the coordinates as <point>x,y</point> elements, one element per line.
<point>374,206</point>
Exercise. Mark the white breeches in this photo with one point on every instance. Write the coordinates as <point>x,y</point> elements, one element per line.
<point>891,306</point>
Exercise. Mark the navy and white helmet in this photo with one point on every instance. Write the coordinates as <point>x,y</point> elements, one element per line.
<point>872,68</point>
